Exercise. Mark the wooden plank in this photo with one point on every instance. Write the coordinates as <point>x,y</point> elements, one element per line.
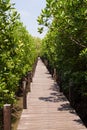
<point>48,109</point>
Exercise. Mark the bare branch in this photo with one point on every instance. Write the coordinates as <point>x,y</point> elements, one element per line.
<point>78,43</point>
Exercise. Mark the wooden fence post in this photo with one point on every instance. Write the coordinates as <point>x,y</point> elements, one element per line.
<point>71,93</point>
<point>29,77</point>
<point>7,116</point>
<point>24,95</point>
<point>54,75</point>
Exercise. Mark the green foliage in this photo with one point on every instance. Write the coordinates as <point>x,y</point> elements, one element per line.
<point>17,52</point>
<point>65,45</point>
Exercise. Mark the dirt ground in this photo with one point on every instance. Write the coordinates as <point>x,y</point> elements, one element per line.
<point>16,113</point>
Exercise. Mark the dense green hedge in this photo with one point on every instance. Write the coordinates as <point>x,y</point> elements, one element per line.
<point>17,51</point>
<point>65,45</point>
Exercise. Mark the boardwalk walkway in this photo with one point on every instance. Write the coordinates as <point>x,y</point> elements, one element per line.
<point>48,109</point>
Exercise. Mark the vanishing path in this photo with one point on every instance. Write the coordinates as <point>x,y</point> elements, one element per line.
<point>48,109</point>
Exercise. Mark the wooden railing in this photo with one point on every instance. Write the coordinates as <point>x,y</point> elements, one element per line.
<point>5,112</point>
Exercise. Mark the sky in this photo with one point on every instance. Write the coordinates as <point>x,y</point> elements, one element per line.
<point>29,11</point>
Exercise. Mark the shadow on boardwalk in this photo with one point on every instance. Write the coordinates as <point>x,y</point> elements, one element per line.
<point>48,109</point>
<point>55,96</point>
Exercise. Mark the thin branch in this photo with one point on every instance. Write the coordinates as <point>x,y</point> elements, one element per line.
<point>78,43</point>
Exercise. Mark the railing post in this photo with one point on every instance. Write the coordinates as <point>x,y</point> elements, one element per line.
<point>54,74</point>
<point>24,95</point>
<point>71,93</point>
<point>7,116</point>
<point>29,76</point>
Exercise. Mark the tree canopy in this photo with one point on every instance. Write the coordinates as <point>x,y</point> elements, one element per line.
<point>17,51</point>
<point>65,45</point>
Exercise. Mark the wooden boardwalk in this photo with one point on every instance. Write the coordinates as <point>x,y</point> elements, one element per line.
<point>48,109</point>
